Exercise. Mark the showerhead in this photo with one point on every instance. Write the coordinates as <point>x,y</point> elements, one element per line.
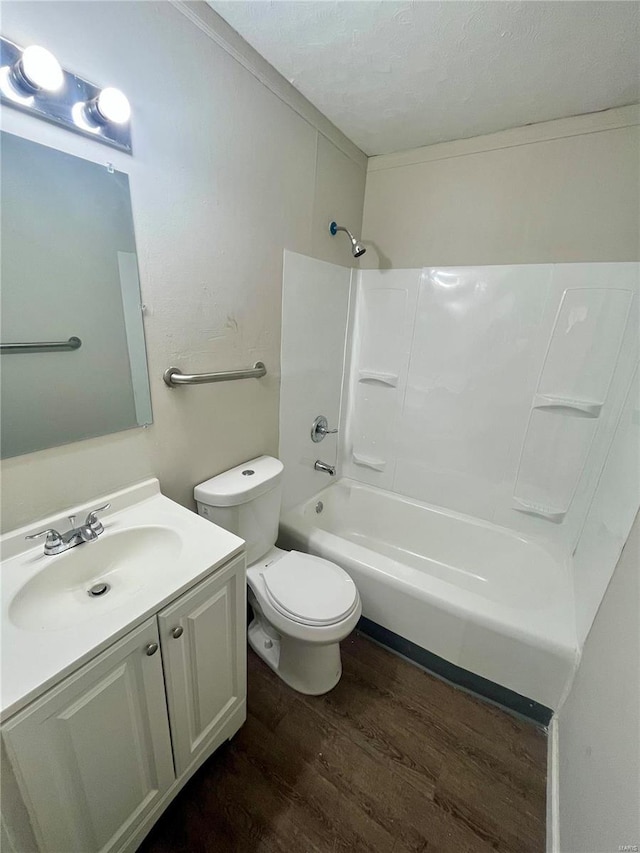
<point>357,249</point>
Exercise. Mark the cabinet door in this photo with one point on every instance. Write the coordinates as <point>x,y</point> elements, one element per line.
<point>93,756</point>
<point>203,639</point>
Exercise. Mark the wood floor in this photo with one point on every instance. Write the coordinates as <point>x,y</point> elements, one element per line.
<point>391,760</point>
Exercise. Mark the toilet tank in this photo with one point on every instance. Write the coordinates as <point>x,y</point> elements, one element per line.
<point>246,501</point>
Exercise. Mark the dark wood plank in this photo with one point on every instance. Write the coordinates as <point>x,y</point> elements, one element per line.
<point>458,722</point>
<point>392,760</point>
<point>522,739</point>
<point>489,806</point>
<point>376,733</point>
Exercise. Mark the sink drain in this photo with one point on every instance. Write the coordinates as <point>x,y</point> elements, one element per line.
<point>98,589</point>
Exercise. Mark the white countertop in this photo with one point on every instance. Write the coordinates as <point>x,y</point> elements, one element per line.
<point>33,660</point>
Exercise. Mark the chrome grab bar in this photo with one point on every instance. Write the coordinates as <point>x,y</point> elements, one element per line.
<point>43,346</point>
<point>174,377</point>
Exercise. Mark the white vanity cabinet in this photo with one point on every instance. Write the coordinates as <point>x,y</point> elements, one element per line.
<point>99,756</point>
<point>205,661</point>
<point>93,756</point>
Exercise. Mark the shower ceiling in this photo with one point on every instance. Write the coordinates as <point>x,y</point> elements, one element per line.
<point>396,75</point>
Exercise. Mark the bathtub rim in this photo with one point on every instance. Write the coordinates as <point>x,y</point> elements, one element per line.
<point>555,552</point>
<point>562,641</point>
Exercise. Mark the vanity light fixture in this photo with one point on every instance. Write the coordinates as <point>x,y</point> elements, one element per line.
<point>36,70</point>
<point>111,105</point>
<point>32,80</point>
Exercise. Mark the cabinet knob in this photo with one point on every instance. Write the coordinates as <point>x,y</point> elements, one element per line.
<point>151,648</point>
<point>177,632</point>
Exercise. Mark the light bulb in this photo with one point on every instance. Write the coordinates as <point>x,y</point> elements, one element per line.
<point>112,105</point>
<point>82,119</point>
<point>38,70</point>
<point>10,90</point>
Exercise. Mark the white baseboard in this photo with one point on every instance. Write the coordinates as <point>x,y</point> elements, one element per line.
<point>553,789</point>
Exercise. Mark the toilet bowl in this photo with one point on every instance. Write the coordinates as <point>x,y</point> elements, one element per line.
<point>303,606</point>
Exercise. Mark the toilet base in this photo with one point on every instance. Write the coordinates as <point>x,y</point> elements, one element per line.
<point>308,668</point>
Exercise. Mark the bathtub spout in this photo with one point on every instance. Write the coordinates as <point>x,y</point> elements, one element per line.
<point>327,469</point>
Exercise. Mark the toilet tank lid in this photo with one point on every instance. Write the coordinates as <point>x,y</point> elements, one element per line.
<point>241,484</point>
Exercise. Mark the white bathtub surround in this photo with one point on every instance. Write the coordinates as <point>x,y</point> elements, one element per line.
<point>492,391</point>
<point>484,598</point>
<point>507,393</point>
<point>315,308</point>
<point>501,397</point>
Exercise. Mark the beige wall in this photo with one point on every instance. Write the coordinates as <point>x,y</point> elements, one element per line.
<point>228,170</point>
<point>599,725</point>
<point>562,191</point>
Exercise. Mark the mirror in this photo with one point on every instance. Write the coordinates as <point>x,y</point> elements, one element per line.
<point>72,358</point>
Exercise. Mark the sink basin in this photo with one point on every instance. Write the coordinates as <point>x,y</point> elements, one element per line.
<point>115,567</point>
<point>151,552</point>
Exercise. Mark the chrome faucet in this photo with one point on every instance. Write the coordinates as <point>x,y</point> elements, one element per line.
<point>56,543</point>
<point>327,469</point>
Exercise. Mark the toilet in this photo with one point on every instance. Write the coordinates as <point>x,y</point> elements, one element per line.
<point>303,606</point>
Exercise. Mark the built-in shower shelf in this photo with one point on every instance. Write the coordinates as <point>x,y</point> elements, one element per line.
<point>369,462</point>
<point>590,408</point>
<point>378,376</point>
<point>549,512</point>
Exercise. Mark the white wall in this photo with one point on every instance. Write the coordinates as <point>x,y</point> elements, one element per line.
<point>599,725</point>
<point>227,171</point>
<point>449,376</point>
<point>315,308</point>
<point>556,192</point>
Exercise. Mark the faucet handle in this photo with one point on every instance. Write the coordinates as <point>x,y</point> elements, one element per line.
<point>320,428</point>
<point>93,521</point>
<point>53,537</point>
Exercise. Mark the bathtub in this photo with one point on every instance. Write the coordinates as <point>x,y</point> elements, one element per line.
<point>478,596</point>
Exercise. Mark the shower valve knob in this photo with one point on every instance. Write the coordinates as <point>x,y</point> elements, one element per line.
<point>320,428</point>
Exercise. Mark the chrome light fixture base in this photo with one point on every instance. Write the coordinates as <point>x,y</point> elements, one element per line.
<point>69,106</point>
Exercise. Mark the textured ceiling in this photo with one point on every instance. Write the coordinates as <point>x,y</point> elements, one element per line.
<point>396,75</point>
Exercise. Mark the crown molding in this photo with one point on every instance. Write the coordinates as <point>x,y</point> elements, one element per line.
<point>219,31</point>
<point>612,119</point>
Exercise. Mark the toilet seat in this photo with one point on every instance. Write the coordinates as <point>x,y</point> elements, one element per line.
<point>309,590</point>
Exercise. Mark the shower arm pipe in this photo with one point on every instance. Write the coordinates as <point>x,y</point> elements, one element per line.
<point>357,249</point>
<point>334,228</point>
